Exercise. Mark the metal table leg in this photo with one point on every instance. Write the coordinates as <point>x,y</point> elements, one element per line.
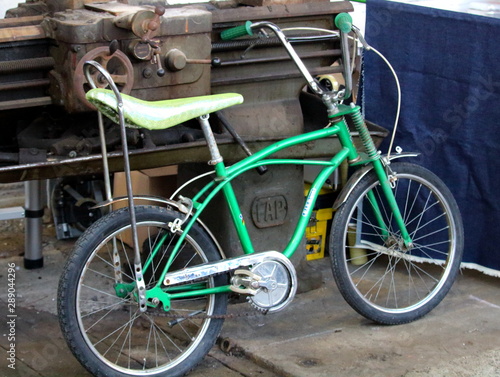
<point>33,212</point>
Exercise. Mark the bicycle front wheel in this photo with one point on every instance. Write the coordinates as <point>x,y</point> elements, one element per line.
<point>380,277</point>
<point>97,299</point>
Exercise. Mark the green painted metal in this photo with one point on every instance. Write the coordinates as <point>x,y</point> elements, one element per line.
<point>286,143</point>
<point>201,292</point>
<point>184,288</point>
<point>193,290</point>
<point>300,229</point>
<point>346,141</point>
<point>238,220</point>
<point>341,111</point>
<point>387,190</point>
<point>378,214</point>
<point>123,289</point>
<point>201,193</point>
<point>364,134</point>
<point>364,159</point>
<point>158,293</point>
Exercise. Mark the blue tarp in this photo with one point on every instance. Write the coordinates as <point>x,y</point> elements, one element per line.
<point>448,64</point>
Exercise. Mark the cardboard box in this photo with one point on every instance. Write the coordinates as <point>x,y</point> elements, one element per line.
<point>158,182</point>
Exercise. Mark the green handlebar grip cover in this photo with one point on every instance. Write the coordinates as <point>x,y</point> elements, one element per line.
<point>238,31</point>
<point>344,22</point>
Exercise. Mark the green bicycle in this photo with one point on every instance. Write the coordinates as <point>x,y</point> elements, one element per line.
<point>154,306</point>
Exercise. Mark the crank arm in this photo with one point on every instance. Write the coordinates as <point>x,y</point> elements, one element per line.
<point>242,282</point>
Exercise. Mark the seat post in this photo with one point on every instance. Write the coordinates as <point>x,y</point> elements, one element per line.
<point>209,136</point>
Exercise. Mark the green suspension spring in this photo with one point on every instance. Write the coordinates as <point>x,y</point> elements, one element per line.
<point>364,134</point>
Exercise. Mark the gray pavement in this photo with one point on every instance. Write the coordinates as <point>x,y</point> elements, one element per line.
<point>317,335</point>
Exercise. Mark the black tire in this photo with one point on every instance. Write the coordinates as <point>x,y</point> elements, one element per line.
<point>376,274</point>
<point>107,333</point>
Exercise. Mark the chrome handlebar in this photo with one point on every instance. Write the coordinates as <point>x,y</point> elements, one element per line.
<point>311,81</point>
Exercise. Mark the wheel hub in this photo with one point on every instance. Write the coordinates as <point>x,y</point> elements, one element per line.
<point>397,245</point>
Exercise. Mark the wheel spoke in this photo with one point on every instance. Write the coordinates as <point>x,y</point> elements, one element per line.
<point>392,282</point>
<point>112,327</point>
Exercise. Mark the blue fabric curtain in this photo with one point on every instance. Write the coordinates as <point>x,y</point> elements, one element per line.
<point>448,64</point>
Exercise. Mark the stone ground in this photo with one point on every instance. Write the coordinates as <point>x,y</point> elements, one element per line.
<point>317,335</point>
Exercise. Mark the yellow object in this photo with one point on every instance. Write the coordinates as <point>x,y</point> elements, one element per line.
<point>316,233</point>
<point>357,254</point>
<point>323,191</point>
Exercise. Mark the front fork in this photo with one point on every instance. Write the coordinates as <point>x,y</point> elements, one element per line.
<point>384,175</point>
<point>386,185</point>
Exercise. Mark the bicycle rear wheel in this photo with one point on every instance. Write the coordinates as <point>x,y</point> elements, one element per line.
<point>104,327</point>
<point>377,274</point>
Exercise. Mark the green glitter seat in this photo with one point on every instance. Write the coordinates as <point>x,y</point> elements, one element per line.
<point>158,115</point>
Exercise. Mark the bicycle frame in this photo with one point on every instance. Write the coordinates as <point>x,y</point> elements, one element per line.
<point>222,182</point>
<point>224,175</point>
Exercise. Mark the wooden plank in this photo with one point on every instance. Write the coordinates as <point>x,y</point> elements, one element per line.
<point>21,21</point>
<point>115,9</point>
<point>21,33</point>
<point>286,10</point>
<point>265,3</point>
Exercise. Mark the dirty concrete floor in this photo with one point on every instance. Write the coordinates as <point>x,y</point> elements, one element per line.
<point>317,335</point>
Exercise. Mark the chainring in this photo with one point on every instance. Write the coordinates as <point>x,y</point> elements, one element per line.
<point>276,287</point>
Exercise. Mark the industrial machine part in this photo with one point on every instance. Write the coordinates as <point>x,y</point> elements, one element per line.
<point>152,53</point>
<point>72,201</point>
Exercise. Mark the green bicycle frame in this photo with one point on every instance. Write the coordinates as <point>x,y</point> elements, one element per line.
<point>222,182</point>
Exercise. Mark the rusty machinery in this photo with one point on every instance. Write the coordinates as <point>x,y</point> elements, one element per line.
<point>155,53</point>
<point>49,130</point>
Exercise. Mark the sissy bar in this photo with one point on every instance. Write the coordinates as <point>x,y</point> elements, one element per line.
<point>139,278</point>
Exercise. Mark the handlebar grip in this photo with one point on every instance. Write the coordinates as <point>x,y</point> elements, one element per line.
<point>344,22</point>
<point>238,31</point>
